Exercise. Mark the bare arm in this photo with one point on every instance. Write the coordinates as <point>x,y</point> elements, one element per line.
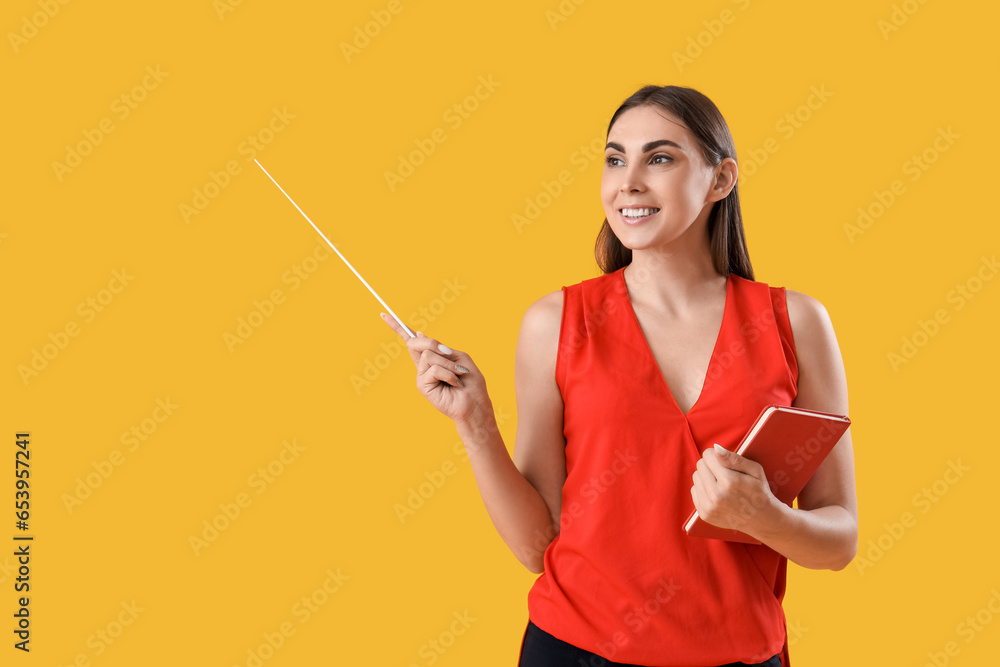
<point>523,499</point>
<point>523,496</point>
<point>822,531</point>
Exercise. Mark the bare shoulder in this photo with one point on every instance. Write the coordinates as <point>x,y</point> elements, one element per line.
<point>544,315</point>
<point>538,340</point>
<point>807,316</point>
<point>822,382</point>
<point>538,344</point>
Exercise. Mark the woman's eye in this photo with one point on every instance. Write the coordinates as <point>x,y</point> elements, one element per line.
<point>611,161</point>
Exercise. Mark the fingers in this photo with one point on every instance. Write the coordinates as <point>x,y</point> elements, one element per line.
<point>712,465</point>
<point>697,484</point>
<point>430,358</point>
<point>429,378</point>
<point>427,352</point>
<point>705,471</point>
<point>698,496</point>
<point>394,325</point>
<point>725,461</point>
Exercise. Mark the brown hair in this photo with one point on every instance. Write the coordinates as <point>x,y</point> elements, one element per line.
<point>725,221</point>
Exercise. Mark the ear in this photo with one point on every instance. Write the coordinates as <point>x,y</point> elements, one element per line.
<point>724,179</point>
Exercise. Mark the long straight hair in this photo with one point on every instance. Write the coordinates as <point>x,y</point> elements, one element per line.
<point>725,221</point>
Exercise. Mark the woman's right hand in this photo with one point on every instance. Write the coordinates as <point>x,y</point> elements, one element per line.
<point>446,377</point>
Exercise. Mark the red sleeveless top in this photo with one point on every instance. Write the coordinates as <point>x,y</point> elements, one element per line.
<point>621,578</point>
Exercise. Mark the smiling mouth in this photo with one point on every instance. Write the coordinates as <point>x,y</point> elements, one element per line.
<point>637,213</point>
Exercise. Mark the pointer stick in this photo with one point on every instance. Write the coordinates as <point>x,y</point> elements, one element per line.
<point>412,335</point>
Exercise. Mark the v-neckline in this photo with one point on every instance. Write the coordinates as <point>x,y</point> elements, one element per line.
<point>652,357</point>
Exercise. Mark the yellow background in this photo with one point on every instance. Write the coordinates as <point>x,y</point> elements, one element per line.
<point>559,70</point>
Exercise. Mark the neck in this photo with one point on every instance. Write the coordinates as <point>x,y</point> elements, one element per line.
<point>672,282</point>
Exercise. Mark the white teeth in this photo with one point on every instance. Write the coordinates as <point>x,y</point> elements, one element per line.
<point>638,212</point>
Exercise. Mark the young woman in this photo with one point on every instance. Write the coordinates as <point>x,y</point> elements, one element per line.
<point>632,389</point>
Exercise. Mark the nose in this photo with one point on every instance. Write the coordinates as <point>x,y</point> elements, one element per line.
<point>632,181</point>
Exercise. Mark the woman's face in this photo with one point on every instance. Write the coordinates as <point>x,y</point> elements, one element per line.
<point>652,161</point>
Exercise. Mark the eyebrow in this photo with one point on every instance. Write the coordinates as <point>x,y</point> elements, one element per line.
<point>646,147</point>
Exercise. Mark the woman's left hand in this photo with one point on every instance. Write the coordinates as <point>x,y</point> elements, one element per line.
<point>730,491</point>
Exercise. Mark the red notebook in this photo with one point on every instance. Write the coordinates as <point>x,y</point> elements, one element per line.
<point>789,443</point>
